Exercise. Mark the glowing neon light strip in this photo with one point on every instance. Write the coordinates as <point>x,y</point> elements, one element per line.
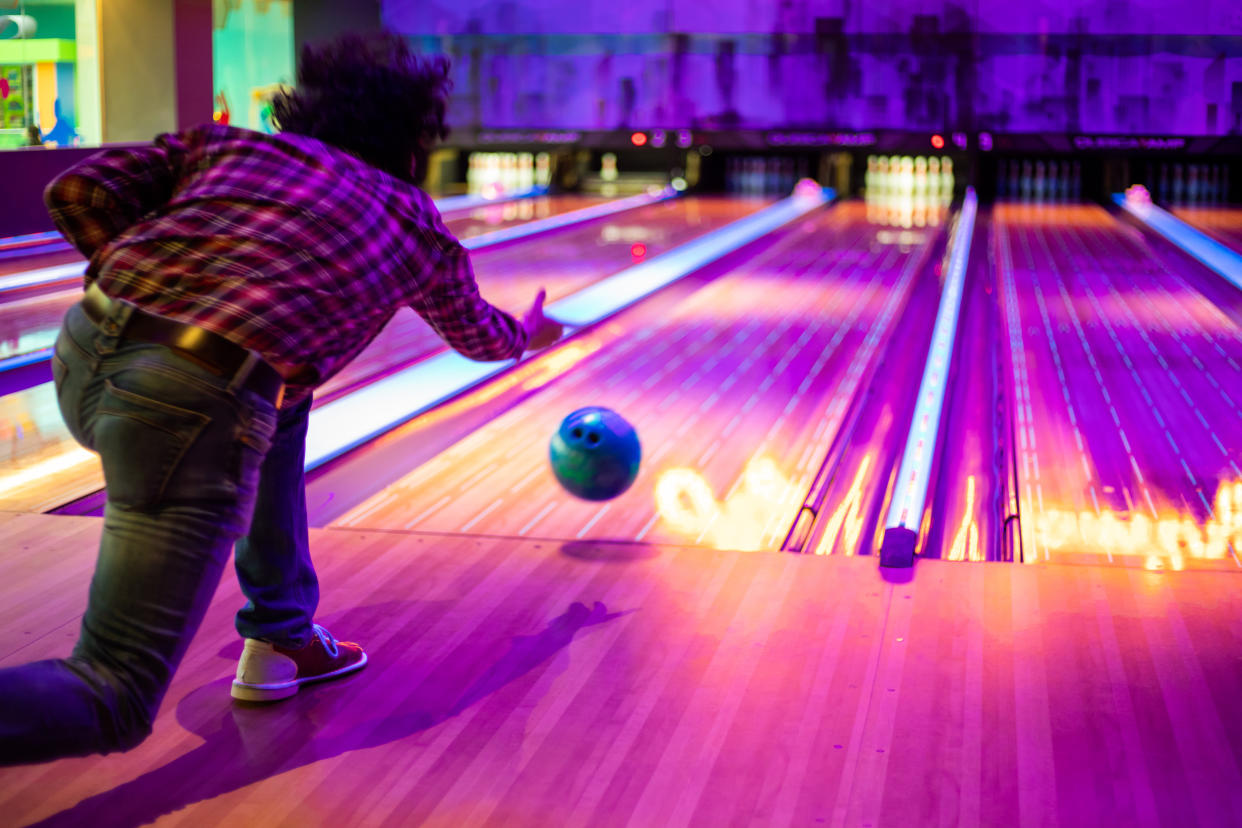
<point>28,239</point>
<point>22,360</point>
<point>42,249</point>
<point>1218,257</point>
<point>350,421</point>
<point>44,275</point>
<point>913,476</point>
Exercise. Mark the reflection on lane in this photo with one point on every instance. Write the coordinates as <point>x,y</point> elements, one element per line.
<point>686,503</point>
<point>1172,540</point>
<point>1127,421</point>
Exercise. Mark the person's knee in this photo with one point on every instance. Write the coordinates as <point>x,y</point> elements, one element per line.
<point>133,723</point>
<point>125,707</point>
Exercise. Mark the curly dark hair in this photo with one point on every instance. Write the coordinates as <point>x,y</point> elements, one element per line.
<point>372,97</point>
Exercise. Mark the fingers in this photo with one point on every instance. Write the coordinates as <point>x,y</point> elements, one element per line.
<point>539,298</point>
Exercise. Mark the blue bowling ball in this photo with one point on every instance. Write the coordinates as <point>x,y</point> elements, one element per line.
<point>595,453</point>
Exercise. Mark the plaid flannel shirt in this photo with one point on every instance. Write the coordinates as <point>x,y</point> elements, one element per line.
<point>280,243</point>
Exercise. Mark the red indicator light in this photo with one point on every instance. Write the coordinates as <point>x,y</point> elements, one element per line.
<point>638,250</point>
<point>638,139</point>
<point>938,141</point>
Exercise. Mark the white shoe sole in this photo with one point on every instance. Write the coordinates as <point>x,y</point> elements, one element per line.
<point>285,689</point>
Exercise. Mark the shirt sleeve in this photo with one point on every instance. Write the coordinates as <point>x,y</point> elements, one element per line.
<point>469,324</point>
<point>97,200</point>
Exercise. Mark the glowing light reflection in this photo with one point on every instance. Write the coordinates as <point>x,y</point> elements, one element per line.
<point>685,501</point>
<point>846,521</point>
<point>965,546</point>
<point>1167,541</point>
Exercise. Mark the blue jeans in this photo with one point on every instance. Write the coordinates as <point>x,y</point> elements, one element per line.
<point>187,457</point>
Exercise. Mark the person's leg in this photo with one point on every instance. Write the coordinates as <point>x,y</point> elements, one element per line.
<point>273,560</point>
<point>181,453</point>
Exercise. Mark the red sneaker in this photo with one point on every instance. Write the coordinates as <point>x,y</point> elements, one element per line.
<point>268,673</point>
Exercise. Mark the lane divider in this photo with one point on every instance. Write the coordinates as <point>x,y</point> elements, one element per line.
<point>905,515</point>
<point>346,423</point>
<point>1213,254</point>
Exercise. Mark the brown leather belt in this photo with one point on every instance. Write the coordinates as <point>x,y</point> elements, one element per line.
<point>199,345</point>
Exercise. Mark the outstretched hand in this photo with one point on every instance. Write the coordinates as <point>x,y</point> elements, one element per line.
<point>540,330</point>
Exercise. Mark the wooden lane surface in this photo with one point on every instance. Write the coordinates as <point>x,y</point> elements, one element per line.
<point>735,394</point>
<point>517,682</point>
<point>33,435</point>
<point>1129,447</point>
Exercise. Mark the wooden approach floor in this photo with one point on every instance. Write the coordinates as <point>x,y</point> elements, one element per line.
<point>540,683</point>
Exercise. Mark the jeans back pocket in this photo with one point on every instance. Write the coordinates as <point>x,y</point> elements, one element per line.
<point>142,442</point>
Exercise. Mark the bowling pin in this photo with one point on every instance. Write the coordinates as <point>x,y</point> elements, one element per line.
<point>543,169</point>
<point>472,174</point>
<point>526,171</point>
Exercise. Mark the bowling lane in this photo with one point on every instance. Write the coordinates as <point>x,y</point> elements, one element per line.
<point>1125,377</point>
<point>41,467</point>
<point>736,393</point>
<point>30,318</point>
<point>1222,223</point>
<point>562,262</point>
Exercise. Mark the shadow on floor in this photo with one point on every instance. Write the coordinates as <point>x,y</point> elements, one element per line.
<point>395,697</point>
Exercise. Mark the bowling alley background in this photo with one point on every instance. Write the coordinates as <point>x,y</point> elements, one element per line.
<point>927,317</point>
<point>1125,67</point>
